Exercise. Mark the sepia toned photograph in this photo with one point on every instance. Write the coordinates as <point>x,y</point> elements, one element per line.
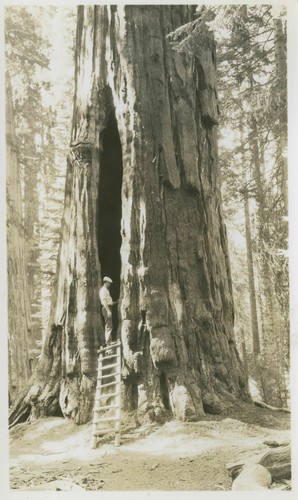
<point>147,247</point>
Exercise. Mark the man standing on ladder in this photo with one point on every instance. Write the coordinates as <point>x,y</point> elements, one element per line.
<point>107,303</point>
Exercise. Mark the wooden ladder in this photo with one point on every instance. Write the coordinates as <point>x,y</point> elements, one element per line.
<point>107,407</point>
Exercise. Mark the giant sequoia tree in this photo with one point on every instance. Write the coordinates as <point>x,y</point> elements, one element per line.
<point>142,204</point>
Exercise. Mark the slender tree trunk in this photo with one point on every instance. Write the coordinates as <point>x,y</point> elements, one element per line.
<point>18,304</point>
<point>281,76</point>
<point>251,280</point>
<point>143,206</point>
<point>281,73</point>
<point>31,203</point>
<point>244,350</point>
<point>250,260</point>
<point>274,327</point>
<point>266,275</point>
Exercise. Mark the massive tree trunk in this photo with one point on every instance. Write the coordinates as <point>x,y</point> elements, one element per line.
<point>143,206</point>
<point>18,303</point>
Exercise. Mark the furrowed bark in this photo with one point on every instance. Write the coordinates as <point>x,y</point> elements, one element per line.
<point>143,165</point>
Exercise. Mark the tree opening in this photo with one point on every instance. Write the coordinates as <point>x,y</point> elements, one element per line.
<point>164,391</point>
<point>110,210</point>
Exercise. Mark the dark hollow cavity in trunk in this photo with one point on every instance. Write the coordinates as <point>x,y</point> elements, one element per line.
<point>109,210</point>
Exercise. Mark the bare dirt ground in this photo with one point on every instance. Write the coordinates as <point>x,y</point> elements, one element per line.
<point>173,456</point>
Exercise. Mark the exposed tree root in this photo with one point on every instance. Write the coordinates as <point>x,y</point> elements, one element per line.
<point>278,462</point>
<point>34,403</point>
<point>20,413</point>
<point>269,407</point>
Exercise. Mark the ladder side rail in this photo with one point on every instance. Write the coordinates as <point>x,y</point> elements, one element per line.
<point>115,365</point>
<point>96,402</point>
<point>118,400</point>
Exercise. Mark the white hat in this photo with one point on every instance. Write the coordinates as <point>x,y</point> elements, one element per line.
<point>106,278</point>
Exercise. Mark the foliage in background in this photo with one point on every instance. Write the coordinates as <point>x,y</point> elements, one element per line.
<point>42,100</point>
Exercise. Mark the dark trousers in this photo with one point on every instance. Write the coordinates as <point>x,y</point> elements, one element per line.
<point>108,326</point>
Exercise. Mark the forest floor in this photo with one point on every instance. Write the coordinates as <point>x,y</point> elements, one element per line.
<point>189,456</point>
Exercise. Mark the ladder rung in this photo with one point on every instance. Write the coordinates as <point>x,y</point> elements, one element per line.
<point>108,375</point>
<point>109,384</point>
<point>111,346</point>
<point>100,389</point>
<point>107,407</point>
<point>100,361</point>
<point>110,356</point>
<point>103,431</point>
<point>106,367</point>
<point>106,396</point>
<point>105,419</point>
<point>112,380</point>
